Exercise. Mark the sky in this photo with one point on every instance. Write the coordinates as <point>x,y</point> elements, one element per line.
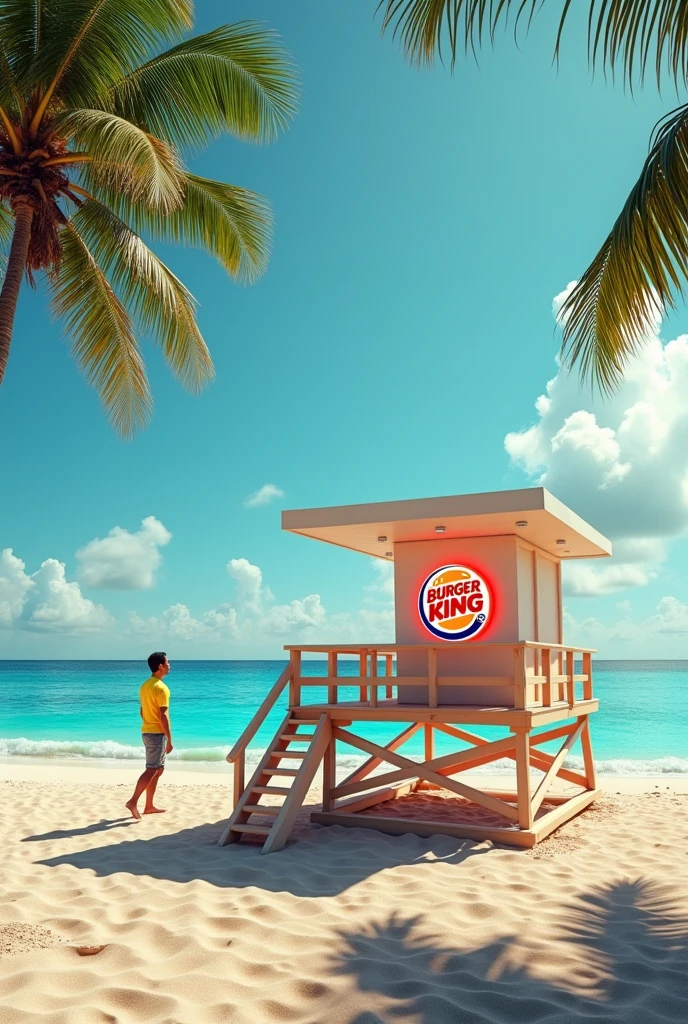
<point>401,344</point>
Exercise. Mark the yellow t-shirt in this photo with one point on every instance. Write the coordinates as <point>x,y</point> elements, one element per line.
<point>154,695</point>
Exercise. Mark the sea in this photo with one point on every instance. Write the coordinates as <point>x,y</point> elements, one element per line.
<point>88,711</point>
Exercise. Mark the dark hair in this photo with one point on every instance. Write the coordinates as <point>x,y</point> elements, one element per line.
<point>156,659</point>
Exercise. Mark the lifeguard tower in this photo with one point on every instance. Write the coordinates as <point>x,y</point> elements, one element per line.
<point>479,642</point>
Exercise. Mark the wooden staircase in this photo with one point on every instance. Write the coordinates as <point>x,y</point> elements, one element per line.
<point>284,763</point>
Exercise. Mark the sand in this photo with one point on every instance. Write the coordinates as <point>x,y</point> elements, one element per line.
<point>344,926</point>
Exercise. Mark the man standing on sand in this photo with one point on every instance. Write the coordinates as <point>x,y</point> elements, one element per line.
<point>157,738</point>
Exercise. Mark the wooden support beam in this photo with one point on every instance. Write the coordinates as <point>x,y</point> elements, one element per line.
<point>546,656</point>
<point>363,671</point>
<point>400,826</point>
<point>294,686</point>
<point>525,811</point>
<point>588,761</point>
<point>359,803</point>
<point>421,770</point>
<point>429,742</point>
<point>587,673</point>
<point>520,694</point>
<point>447,764</point>
<point>329,774</point>
<point>564,812</point>
<point>389,671</point>
<point>556,764</point>
<point>373,679</point>
<point>432,677</point>
<point>238,784</point>
<point>570,679</point>
<point>332,672</point>
<point>374,762</point>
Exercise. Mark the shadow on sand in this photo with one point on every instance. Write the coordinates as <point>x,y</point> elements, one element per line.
<point>104,825</point>
<point>323,861</point>
<point>629,964</point>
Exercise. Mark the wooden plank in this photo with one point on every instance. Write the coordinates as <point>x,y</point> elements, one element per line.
<point>373,679</point>
<point>429,742</point>
<point>363,672</point>
<point>444,765</point>
<point>292,804</point>
<point>393,648</point>
<point>423,772</point>
<point>546,656</point>
<point>519,680</point>
<point>238,816</point>
<point>359,803</point>
<point>294,685</point>
<point>564,812</point>
<point>373,762</point>
<point>525,810</point>
<point>260,716</point>
<point>432,677</point>
<point>588,760</point>
<point>587,673</point>
<point>329,774</point>
<point>389,671</point>
<point>332,673</point>
<point>570,679</point>
<point>475,680</point>
<point>239,770</point>
<point>556,764</point>
<point>550,734</point>
<point>401,826</point>
<point>258,830</point>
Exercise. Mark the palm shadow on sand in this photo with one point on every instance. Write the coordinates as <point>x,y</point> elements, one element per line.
<point>629,966</point>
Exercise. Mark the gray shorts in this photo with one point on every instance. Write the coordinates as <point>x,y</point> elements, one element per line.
<point>156,746</point>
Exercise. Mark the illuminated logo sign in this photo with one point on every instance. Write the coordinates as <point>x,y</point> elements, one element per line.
<point>454,602</point>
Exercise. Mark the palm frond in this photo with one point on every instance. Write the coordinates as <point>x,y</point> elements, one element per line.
<point>6,226</point>
<point>639,269</point>
<point>158,300</point>
<point>103,341</point>
<point>628,35</point>
<point>21,22</point>
<point>237,78</point>
<point>123,156</point>
<point>89,44</point>
<point>232,224</point>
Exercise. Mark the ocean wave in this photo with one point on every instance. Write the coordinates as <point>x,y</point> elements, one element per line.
<point>110,750</point>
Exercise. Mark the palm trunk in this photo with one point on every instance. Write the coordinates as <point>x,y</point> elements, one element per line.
<point>16,264</point>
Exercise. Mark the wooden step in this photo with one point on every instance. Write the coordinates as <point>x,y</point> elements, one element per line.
<point>304,721</point>
<point>280,790</point>
<point>260,809</point>
<point>258,830</point>
<point>288,753</point>
<point>292,736</point>
<point>280,771</point>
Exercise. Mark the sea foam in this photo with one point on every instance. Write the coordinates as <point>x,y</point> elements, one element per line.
<point>110,750</point>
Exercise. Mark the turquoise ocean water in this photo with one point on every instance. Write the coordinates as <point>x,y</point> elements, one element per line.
<point>89,709</point>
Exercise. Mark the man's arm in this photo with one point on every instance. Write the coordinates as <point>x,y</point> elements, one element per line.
<point>165,723</point>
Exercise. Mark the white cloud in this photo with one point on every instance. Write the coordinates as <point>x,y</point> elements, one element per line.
<point>585,581</point>
<point>46,601</point>
<point>124,560</point>
<point>670,618</point>
<point>14,587</point>
<point>263,496</point>
<point>620,462</point>
<point>255,617</point>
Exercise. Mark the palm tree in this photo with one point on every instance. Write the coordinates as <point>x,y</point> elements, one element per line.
<point>643,263</point>
<point>94,114</point>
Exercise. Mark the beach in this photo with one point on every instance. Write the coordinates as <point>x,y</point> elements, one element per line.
<point>348,926</point>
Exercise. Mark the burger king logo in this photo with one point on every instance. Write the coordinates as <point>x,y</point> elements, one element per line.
<point>454,602</point>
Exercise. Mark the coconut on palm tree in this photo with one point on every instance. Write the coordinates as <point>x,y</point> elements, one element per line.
<point>643,263</point>
<point>98,100</point>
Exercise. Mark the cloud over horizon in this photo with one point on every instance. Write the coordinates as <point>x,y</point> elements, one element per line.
<point>621,462</point>
<point>46,601</point>
<point>124,560</point>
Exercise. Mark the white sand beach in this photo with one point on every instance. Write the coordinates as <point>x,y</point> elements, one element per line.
<point>347,926</point>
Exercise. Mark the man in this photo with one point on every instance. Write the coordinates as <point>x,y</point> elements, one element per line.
<point>155,730</point>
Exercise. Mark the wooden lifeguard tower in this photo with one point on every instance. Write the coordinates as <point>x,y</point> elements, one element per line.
<point>479,641</point>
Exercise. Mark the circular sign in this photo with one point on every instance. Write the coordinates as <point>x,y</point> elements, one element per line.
<point>454,602</point>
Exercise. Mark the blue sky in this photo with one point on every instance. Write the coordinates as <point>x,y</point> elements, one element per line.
<point>403,330</point>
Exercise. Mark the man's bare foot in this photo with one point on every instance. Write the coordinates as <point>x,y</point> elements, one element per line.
<point>134,809</point>
<point>153,810</point>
